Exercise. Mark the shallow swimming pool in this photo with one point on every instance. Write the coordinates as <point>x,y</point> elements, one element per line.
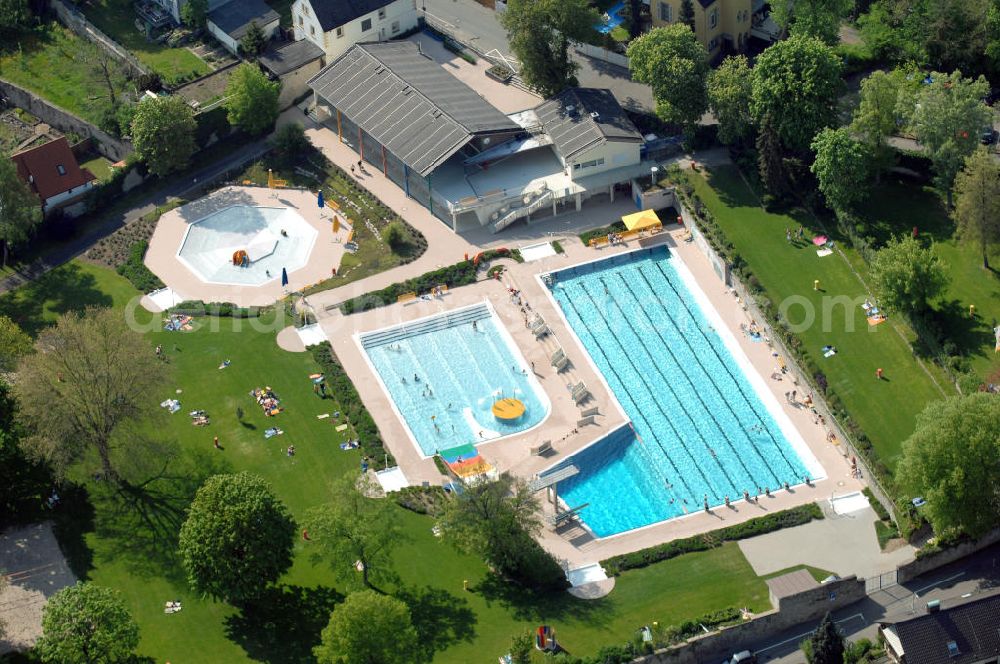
<point>273,238</point>
<point>699,429</point>
<point>444,373</point>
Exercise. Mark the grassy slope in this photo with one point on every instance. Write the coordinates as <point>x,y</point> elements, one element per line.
<point>114,547</point>
<point>884,409</point>
<point>897,207</point>
<point>116,18</point>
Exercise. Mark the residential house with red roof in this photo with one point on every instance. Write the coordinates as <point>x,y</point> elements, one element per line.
<point>52,172</point>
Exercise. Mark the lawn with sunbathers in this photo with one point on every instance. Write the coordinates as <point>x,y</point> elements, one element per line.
<point>130,545</point>
<point>885,409</point>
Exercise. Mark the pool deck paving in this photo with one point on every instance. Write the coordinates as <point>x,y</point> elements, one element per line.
<point>162,257</point>
<point>573,543</point>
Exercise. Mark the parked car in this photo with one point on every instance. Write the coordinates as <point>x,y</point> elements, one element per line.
<point>742,657</point>
<point>988,136</point>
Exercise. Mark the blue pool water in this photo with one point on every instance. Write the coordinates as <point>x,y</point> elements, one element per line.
<point>461,370</point>
<point>699,426</point>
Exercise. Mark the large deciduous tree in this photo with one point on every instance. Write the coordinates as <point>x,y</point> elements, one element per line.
<point>14,16</point>
<point>841,167</point>
<point>770,160</point>
<point>796,83</point>
<point>977,202</point>
<point>85,623</point>
<point>368,628</point>
<point>20,209</point>
<point>163,133</point>
<point>812,18</point>
<point>907,275</point>
<point>946,117</point>
<point>952,460</point>
<point>237,539</point>
<point>89,378</point>
<point>496,520</point>
<point>252,99</point>
<point>875,117</point>
<point>729,89</point>
<point>540,32</point>
<point>194,13</point>
<point>14,344</point>
<point>353,528</point>
<point>673,62</point>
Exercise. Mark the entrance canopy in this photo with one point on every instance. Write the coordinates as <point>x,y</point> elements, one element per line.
<point>638,221</point>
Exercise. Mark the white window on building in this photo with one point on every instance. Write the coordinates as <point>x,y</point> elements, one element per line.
<point>666,12</point>
<point>589,164</point>
<point>713,18</point>
<point>395,27</point>
<point>381,14</point>
<point>312,30</point>
<point>340,32</point>
<point>366,25</point>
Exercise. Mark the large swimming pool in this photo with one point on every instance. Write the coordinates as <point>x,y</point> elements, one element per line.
<point>698,427</point>
<point>444,373</point>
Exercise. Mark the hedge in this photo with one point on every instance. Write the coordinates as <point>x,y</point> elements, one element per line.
<point>369,438</point>
<point>220,309</point>
<point>617,227</point>
<point>462,273</point>
<point>136,271</point>
<point>713,539</point>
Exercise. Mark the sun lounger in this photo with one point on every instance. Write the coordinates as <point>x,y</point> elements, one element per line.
<point>543,449</point>
<point>557,356</point>
<point>581,396</point>
<point>590,411</point>
<point>540,331</point>
<point>341,427</point>
<point>584,421</point>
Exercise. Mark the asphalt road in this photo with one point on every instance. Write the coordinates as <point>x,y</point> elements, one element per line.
<point>964,579</point>
<point>78,245</point>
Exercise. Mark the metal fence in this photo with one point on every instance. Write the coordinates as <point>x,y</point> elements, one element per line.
<point>873,584</point>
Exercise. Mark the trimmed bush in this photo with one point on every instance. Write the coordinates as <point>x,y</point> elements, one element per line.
<point>716,538</point>
<point>617,227</point>
<point>219,309</point>
<point>136,271</point>
<point>421,499</point>
<point>354,410</point>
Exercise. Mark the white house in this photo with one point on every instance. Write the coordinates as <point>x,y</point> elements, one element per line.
<point>336,25</point>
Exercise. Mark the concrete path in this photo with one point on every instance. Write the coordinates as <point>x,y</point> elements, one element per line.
<point>844,545</point>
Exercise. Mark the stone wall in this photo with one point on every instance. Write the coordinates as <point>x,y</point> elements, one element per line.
<point>803,607</point>
<point>914,568</point>
<point>78,23</point>
<point>113,148</point>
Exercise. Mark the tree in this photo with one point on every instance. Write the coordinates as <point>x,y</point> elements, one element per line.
<point>194,13</point>
<point>633,12</point>
<point>290,141</point>
<point>254,41</point>
<point>796,82</point>
<point>946,118</point>
<point>14,344</point>
<point>952,460</point>
<point>21,209</point>
<point>540,33</point>
<point>14,15</point>
<point>163,133</point>
<point>841,166</point>
<point>825,645</point>
<point>687,14</point>
<point>395,236</point>
<point>875,117</point>
<point>86,623</point>
<point>496,520</point>
<point>729,90</point>
<point>106,70</point>
<point>907,276</point>
<point>520,648</point>
<point>237,539</point>
<point>675,64</point>
<point>812,18</point>
<point>252,99</point>
<point>956,35</point>
<point>368,628</point>
<point>90,377</point>
<point>977,202</point>
<point>993,33</point>
<point>770,162</point>
<point>353,528</point>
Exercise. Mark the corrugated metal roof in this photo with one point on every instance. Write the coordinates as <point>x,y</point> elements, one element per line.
<point>580,118</point>
<point>407,102</point>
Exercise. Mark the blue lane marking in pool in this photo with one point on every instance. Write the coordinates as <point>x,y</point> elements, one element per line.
<point>698,427</point>
<point>462,363</point>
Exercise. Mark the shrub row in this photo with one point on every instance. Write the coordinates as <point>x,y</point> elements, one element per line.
<point>421,499</point>
<point>219,309</point>
<point>710,540</point>
<point>587,236</point>
<point>136,271</point>
<point>354,410</point>
<point>462,273</point>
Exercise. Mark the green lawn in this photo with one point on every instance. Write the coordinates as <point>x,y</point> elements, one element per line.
<point>896,207</point>
<point>884,409</point>
<point>98,165</point>
<point>130,545</point>
<point>116,18</point>
<point>46,62</point>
